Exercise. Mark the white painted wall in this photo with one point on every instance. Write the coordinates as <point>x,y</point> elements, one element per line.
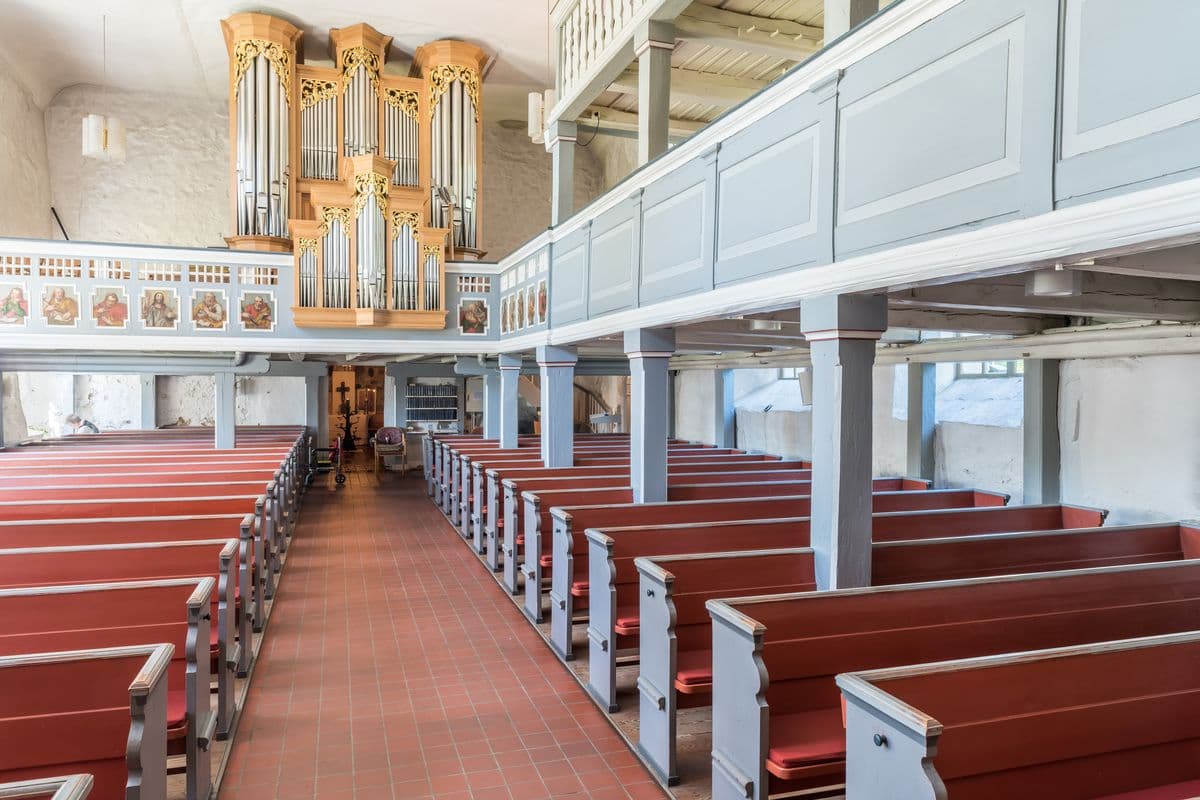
<point>1128,429</point>
<point>24,171</point>
<point>13,416</point>
<point>173,187</point>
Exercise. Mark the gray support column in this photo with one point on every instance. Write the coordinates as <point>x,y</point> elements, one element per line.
<point>557,365</point>
<point>491,404</point>
<point>842,331</point>
<point>671,406</point>
<point>1041,431</point>
<point>149,402</point>
<point>225,410</point>
<point>649,354</point>
<point>510,376</point>
<point>922,419</point>
<point>560,142</point>
<point>724,412</point>
<point>389,402</point>
<point>653,43</point>
<point>316,408</point>
<point>842,15</point>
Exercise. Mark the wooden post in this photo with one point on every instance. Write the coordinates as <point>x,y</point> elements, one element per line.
<point>842,331</point>
<point>649,354</point>
<point>558,405</point>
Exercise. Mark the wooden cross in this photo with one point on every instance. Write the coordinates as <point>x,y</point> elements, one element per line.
<point>348,437</point>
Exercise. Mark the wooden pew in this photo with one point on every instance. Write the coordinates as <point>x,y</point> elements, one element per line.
<point>108,615</point>
<point>251,568</point>
<point>100,712</point>
<point>46,567</point>
<point>67,787</point>
<point>1108,721</point>
<point>504,486</point>
<point>69,479</point>
<point>508,515</point>
<point>460,472</point>
<point>776,706</point>
<point>569,552</point>
<point>674,632</point>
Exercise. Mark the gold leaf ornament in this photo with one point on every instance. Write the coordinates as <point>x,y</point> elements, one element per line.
<point>331,213</point>
<point>367,184</point>
<point>405,100</point>
<point>306,245</point>
<point>355,57</point>
<point>316,90</point>
<point>244,53</point>
<point>442,76</point>
<point>402,218</point>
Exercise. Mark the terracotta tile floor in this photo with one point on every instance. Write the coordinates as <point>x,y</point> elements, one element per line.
<point>394,667</point>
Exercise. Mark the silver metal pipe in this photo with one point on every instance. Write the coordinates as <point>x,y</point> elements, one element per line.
<point>261,162</point>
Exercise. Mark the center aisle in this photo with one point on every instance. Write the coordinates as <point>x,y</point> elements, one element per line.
<point>390,670</point>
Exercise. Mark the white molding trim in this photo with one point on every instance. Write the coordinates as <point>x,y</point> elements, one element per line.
<point>53,248</point>
<point>652,44</point>
<point>838,334</point>
<point>489,268</point>
<point>650,354</point>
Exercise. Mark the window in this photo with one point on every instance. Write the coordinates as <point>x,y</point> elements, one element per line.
<point>989,369</point>
<point>791,373</point>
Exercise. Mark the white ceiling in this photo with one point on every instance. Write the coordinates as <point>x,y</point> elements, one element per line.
<point>176,45</point>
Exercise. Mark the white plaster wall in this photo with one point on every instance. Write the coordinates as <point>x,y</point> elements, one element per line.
<point>24,170</point>
<point>185,400</point>
<point>13,417</point>
<point>695,398</point>
<point>616,157</point>
<point>113,402</point>
<point>174,185</point>
<point>270,401</point>
<point>979,457</point>
<point>516,188</point>
<point>46,399</point>
<point>1128,428</point>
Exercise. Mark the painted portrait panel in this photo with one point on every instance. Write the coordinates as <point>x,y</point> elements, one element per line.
<point>158,308</point>
<point>504,326</point>
<point>472,317</point>
<point>543,301</point>
<point>530,308</point>
<point>256,311</point>
<point>60,306</point>
<point>14,307</point>
<point>110,307</point>
<point>210,309</point>
<point>519,310</point>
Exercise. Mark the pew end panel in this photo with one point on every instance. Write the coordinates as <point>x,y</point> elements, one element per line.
<point>1189,538</point>
<point>657,665</point>
<point>67,787</point>
<point>740,715</point>
<point>890,746</point>
<point>1105,720</point>
<point>119,694</point>
<point>531,567</point>
<point>602,621</point>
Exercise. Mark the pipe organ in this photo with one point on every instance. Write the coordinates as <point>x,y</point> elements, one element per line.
<point>371,178</point>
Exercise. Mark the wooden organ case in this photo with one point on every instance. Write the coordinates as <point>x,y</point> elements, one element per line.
<point>370,179</point>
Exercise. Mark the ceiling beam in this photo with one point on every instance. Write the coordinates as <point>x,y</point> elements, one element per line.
<point>1176,263</point>
<point>688,85</point>
<point>927,319</point>
<point>775,38</point>
<point>613,120</point>
<point>1101,295</point>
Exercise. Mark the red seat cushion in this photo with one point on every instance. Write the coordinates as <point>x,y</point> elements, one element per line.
<point>806,739</point>
<point>694,670</point>
<point>579,589</point>
<point>176,712</point>
<point>1174,791</point>
<point>628,620</point>
<point>546,561</point>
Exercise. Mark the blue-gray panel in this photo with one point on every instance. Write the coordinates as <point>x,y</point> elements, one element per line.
<point>568,279</point>
<point>613,259</point>
<point>950,126</point>
<point>677,235</point>
<point>772,185</point>
<point>1133,119</point>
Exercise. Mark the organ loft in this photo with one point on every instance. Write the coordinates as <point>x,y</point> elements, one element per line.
<point>370,178</point>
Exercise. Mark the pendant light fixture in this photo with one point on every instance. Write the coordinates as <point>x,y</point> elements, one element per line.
<point>104,137</point>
